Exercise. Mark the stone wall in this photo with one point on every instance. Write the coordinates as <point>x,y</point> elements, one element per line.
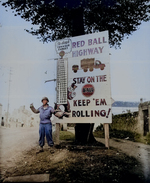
<point>144,118</point>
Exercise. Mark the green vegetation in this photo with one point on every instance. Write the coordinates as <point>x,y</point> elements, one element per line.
<point>124,126</point>
<point>99,134</point>
<point>54,20</point>
<point>114,133</point>
<point>71,124</point>
<point>125,122</point>
<point>64,135</point>
<point>121,134</point>
<point>148,138</point>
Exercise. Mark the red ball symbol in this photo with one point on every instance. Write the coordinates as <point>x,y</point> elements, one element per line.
<point>88,90</point>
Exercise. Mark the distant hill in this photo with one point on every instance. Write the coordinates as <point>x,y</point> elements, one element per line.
<point>125,104</point>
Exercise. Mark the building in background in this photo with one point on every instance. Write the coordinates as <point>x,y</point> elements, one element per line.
<point>22,118</point>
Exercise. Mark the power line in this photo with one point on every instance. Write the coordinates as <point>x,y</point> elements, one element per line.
<point>10,73</point>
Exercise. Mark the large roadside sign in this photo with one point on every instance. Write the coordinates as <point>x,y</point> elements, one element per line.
<point>83,78</point>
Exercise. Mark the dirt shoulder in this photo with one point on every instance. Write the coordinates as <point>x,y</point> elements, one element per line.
<point>68,163</point>
<point>137,150</point>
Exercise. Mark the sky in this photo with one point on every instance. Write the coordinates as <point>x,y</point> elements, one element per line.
<point>31,63</point>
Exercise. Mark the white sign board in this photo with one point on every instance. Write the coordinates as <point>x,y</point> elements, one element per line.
<point>63,45</point>
<point>88,73</point>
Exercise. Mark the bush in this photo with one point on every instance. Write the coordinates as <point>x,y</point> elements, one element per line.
<point>125,122</point>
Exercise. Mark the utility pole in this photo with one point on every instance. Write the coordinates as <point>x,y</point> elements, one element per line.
<point>7,118</point>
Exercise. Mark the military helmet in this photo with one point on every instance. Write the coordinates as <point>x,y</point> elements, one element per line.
<point>44,98</point>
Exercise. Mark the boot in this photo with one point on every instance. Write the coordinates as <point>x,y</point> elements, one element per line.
<point>51,149</point>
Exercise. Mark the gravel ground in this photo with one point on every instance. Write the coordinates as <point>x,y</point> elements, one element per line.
<point>67,163</point>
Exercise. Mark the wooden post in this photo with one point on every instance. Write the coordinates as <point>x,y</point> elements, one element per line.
<point>57,134</point>
<point>106,128</point>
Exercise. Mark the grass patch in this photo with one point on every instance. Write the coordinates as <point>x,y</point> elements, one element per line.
<point>65,135</point>
<point>124,126</point>
<point>148,138</point>
<point>99,134</point>
<point>121,134</point>
<point>144,139</point>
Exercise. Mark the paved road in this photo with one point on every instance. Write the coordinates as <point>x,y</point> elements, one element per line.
<point>13,141</point>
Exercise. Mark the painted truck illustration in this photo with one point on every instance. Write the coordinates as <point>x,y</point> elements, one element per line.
<point>89,64</point>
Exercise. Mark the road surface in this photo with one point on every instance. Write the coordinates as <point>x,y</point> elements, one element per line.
<point>13,141</point>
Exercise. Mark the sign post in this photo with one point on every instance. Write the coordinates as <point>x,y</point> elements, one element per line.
<point>83,80</point>
<point>57,134</point>
<point>106,128</point>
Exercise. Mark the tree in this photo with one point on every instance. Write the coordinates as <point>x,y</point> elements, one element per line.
<point>57,19</point>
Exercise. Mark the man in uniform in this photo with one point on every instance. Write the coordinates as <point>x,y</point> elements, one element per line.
<point>45,127</point>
